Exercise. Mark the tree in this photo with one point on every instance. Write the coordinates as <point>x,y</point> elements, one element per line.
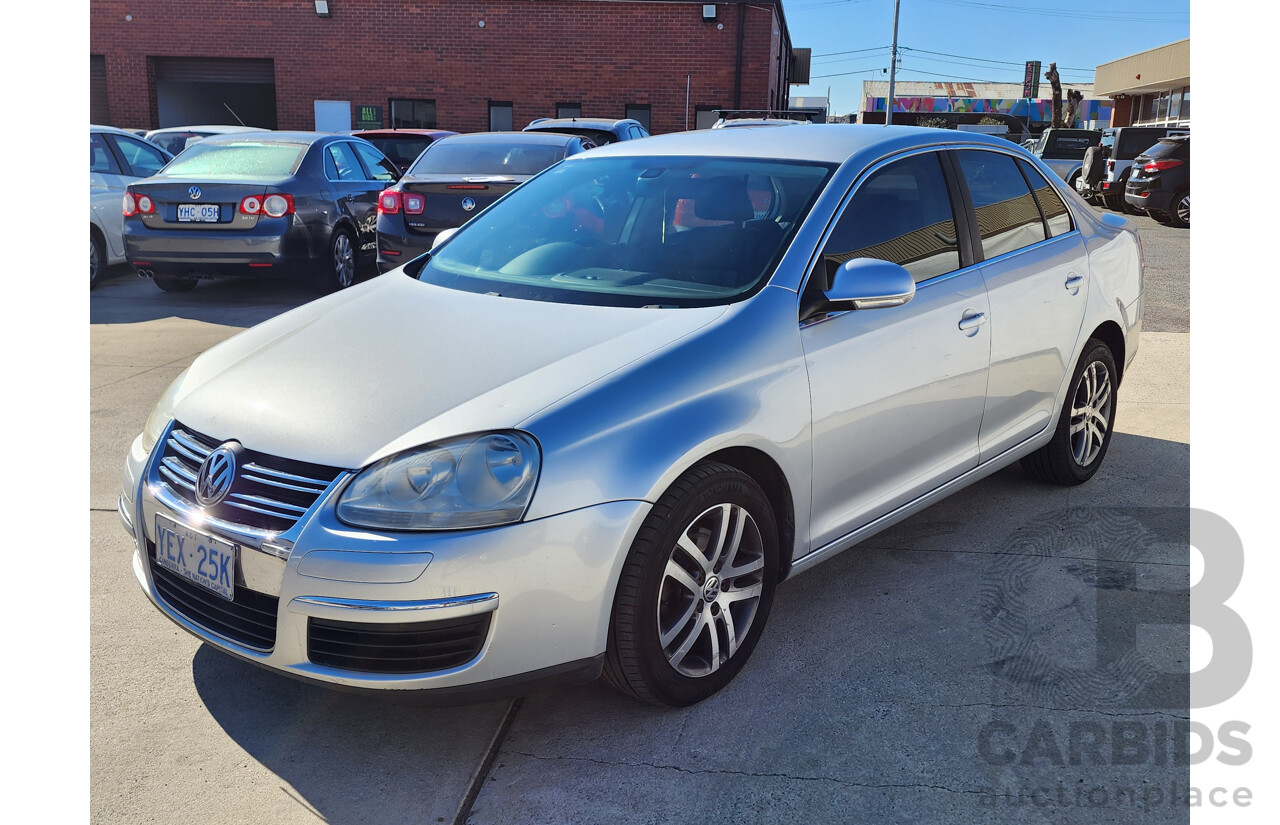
<point>1056,85</point>
<point>1074,99</point>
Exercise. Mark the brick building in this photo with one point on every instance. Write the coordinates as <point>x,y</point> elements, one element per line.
<point>451,64</point>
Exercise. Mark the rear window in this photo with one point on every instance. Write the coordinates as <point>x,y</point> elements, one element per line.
<point>402,151</point>
<point>245,160</point>
<point>460,157</point>
<point>1168,149</point>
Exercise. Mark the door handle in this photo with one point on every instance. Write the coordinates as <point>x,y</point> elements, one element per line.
<point>1073,282</point>
<point>972,320</point>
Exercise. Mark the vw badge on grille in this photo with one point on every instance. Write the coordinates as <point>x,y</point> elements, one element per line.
<point>217,474</point>
<point>194,192</point>
<point>468,204</point>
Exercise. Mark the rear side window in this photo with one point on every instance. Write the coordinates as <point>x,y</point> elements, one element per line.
<point>1133,143</point>
<point>246,160</point>
<point>902,214</point>
<point>1008,216</point>
<point>100,159</point>
<point>145,160</point>
<point>1056,215</point>
<point>379,167</point>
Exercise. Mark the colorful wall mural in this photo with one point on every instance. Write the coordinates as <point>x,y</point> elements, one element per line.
<point>1040,110</point>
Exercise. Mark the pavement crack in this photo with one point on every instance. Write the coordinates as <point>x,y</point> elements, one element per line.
<point>1027,555</point>
<point>1021,706</point>
<point>726,772</point>
<point>96,387</point>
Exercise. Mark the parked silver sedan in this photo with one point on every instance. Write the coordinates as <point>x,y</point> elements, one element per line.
<point>591,431</point>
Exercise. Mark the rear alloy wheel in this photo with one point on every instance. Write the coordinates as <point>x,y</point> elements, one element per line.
<point>97,258</point>
<point>340,271</point>
<point>695,590</point>
<point>1180,215</point>
<point>175,284</point>
<point>1085,425</point>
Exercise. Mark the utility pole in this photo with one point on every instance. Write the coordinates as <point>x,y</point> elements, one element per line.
<point>893,66</point>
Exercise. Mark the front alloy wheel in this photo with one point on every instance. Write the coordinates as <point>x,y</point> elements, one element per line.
<point>695,590</point>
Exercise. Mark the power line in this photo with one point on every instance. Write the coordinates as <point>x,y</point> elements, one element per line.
<point>855,51</point>
<point>1133,16</point>
<point>1019,64</point>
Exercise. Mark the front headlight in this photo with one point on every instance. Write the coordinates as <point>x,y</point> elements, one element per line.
<point>480,480</point>
<point>161,414</point>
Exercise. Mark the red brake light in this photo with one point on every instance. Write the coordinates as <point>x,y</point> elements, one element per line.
<point>413,204</point>
<point>1111,166</point>
<point>389,202</point>
<point>130,206</point>
<point>277,205</point>
<point>251,205</point>
<point>466,186</point>
<point>1161,165</point>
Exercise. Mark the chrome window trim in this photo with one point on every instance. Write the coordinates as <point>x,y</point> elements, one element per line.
<point>1000,150</point>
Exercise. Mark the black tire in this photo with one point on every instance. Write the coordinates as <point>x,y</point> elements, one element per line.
<point>1068,460</point>
<point>701,504</point>
<point>1180,210</point>
<point>169,284</point>
<point>338,271</point>
<point>1158,216</point>
<point>97,257</point>
<point>1130,209</point>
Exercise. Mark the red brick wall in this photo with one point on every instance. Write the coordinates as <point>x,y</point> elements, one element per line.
<point>534,53</point>
<point>1121,110</point>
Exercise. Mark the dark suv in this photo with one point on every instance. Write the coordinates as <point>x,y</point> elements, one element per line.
<point>600,131</point>
<point>1161,181</point>
<point>1123,144</point>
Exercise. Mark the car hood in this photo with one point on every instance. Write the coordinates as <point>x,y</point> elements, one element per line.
<point>394,363</point>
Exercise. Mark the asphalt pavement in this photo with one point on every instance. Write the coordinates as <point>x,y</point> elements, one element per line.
<point>979,662</point>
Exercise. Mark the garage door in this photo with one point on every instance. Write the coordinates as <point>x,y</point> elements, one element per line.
<point>206,90</point>
<point>99,110</point>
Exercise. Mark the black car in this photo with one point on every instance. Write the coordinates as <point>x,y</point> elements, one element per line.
<point>1123,145</point>
<point>455,179</point>
<point>402,146</point>
<point>294,204</point>
<point>1161,181</point>
<point>599,130</point>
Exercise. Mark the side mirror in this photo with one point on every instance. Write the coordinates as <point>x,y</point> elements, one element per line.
<point>870,283</point>
<point>442,236</point>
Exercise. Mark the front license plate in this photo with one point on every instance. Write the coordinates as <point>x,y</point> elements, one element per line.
<point>197,557</point>
<point>199,212</point>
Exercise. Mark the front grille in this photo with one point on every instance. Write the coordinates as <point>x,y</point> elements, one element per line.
<point>269,492</point>
<point>416,647</point>
<point>250,620</point>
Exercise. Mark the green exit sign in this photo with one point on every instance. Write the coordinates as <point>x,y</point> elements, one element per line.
<point>368,117</point>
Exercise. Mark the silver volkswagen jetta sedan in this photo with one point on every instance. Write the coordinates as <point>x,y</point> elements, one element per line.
<point>591,432</point>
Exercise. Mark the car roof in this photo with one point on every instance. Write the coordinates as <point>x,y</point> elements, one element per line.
<point>212,129</point>
<point>402,132</point>
<point>820,142</point>
<point>549,123</point>
<point>539,137</point>
<point>273,137</point>
<point>113,130</point>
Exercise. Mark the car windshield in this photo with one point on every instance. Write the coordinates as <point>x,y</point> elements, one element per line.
<point>634,231</point>
<point>242,159</point>
<point>400,150</point>
<point>488,157</point>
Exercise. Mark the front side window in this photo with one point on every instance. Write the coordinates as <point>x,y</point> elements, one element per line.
<point>144,160</point>
<point>901,213</point>
<point>1008,216</point>
<point>630,231</point>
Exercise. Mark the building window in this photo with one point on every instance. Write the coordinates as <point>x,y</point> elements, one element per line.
<point>1184,112</point>
<point>501,116</point>
<point>640,113</point>
<point>413,114</point>
<point>568,110</point>
<point>706,117</point>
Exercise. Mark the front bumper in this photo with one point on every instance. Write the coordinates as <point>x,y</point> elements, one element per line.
<point>546,586</point>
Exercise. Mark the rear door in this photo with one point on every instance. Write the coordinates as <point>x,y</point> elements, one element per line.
<point>107,183</point>
<point>355,193</point>
<point>1036,273</point>
<point>379,173</point>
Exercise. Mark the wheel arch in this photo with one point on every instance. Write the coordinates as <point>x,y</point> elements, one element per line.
<point>766,472</point>
<point>1109,333</point>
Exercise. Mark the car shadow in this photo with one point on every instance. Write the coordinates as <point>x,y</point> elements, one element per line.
<point>124,298</point>
<point>873,678</point>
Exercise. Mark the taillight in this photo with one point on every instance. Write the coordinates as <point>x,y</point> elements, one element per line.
<point>1161,165</point>
<point>278,205</point>
<point>251,205</point>
<point>413,204</point>
<point>389,202</point>
<point>145,205</point>
<point>130,206</point>
<point>465,186</point>
<point>1111,166</point>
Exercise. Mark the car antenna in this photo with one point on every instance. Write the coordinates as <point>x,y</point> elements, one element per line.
<point>233,113</point>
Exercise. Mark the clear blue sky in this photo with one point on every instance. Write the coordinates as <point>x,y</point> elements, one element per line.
<point>944,40</point>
